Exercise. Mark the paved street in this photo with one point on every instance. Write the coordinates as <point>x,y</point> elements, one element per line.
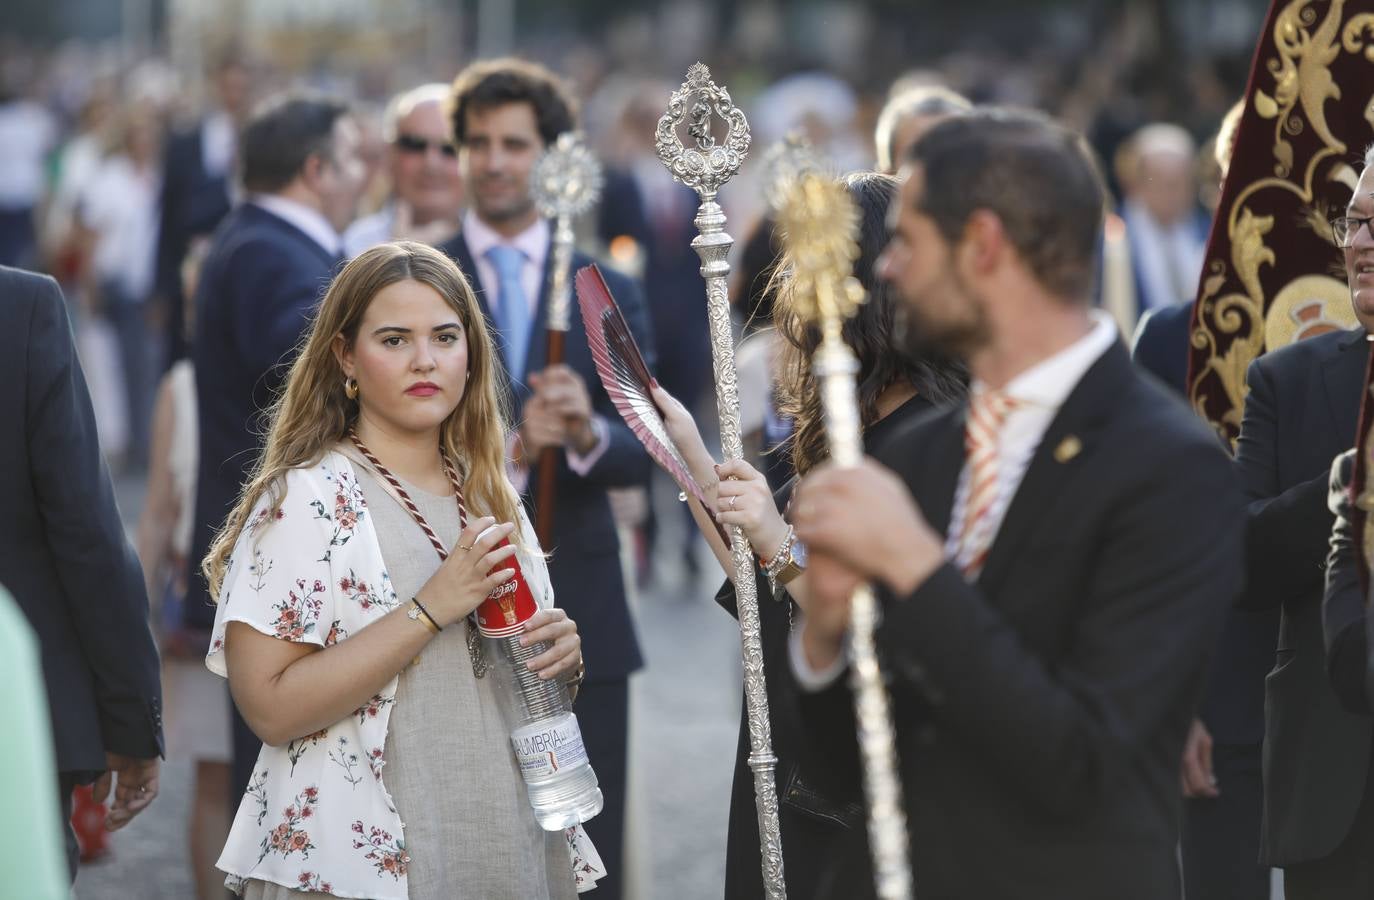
<point>685,716</point>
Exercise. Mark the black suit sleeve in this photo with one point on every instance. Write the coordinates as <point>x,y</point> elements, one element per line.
<point>625,463</point>
<point>1286,541</point>
<point>1061,736</point>
<point>1160,346</point>
<point>1343,615</point>
<point>102,583</point>
<point>275,301</point>
<point>170,240</point>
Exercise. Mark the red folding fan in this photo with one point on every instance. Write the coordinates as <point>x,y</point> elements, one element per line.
<point>625,375</point>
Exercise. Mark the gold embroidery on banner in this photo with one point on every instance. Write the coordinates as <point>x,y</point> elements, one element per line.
<point>1306,307</point>
<point>1302,84</point>
<point>1235,314</point>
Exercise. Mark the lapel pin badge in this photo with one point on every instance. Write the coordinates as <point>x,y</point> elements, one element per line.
<point>1068,448</point>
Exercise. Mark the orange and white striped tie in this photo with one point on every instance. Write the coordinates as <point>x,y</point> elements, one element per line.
<point>988,411</point>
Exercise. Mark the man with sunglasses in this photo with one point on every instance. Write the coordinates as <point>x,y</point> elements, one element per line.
<point>1302,408</point>
<point>422,162</point>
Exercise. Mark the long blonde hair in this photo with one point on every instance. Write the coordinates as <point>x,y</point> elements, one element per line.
<point>313,413</point>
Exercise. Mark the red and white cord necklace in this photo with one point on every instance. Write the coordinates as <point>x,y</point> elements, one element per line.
<point>474,640</point>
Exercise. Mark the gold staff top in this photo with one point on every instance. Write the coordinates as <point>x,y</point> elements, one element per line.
<point>820,237</point>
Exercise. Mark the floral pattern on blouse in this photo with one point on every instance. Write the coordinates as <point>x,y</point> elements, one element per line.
<point>317,814</point>
<point>312,572</point>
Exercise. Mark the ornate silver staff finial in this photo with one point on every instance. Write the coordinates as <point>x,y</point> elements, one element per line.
<point>565,182</point>
<point>820,239</point>
<point>707,166</point>
<point>704,168</point>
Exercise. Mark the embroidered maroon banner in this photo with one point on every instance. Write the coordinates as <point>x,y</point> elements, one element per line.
<point>1273,271</point>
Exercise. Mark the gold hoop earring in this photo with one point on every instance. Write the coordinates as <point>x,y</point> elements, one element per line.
<point>351,388</point>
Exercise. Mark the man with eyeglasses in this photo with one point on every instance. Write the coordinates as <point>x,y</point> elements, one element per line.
<point>422,162</point>
<point>1302,408</point>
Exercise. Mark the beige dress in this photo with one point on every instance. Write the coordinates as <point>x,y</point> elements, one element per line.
<point>469,829</point>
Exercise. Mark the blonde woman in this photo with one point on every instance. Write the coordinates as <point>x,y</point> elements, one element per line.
<point>344,577</point>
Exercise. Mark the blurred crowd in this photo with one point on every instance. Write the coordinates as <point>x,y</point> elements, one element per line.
<point>97,184</point>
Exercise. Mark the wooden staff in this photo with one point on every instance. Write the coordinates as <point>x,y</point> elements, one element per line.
<point>565,182</point>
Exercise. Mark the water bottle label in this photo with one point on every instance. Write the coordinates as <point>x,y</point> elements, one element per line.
<point>506,608</point>
<point>546,748</point>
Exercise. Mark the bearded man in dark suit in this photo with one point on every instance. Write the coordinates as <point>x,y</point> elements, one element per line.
<point>1054,558</point>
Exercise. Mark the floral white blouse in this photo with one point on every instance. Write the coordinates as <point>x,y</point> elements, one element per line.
<point>317,814</point>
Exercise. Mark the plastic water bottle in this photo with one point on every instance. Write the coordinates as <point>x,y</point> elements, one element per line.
<point>545,736</point>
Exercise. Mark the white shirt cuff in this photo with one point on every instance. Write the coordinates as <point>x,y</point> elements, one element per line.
<point>811,680</point>
<point>582,463</point>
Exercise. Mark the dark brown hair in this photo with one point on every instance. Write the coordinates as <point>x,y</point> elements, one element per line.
<point>1036,176</point>
<point>282,135</point>
<point>872,333</point>
<point>497,82</point>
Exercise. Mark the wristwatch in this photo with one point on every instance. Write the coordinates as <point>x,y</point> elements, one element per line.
<point>793,562</point>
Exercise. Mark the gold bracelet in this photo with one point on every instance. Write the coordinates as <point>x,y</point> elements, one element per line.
<point>419,614</point>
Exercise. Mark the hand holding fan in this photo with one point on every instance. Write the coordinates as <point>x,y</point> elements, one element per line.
<point>626,377</point>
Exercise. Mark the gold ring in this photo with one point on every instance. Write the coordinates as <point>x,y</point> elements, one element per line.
<point>465,549</point>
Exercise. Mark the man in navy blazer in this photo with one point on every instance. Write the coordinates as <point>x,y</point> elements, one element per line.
<point>266,269</point>
<point>504,114</point>
<point>197,172</point>
<point>1302,410</point>
<point>66,560</point>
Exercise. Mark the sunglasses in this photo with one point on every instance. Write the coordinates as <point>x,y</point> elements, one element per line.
<point>409,143</point>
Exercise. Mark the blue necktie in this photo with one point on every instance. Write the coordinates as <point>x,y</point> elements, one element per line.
<point>514,313</point>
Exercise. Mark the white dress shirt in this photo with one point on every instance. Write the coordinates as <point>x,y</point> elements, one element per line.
<point>369,231</point>
<point>1168,258</point>
<point>27,133</point>
<point>218,140</point>
<point>1040,392</point>
<point>533,244</point>
<point>306,218</point>
<point>121,205</point>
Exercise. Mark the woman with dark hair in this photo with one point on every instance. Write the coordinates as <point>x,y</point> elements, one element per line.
<point>893,388</point>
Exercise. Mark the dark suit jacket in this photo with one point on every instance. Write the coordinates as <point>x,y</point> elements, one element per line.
<point>1233,702</point>
<point>63,553</point>
<point>585,562</point>
<point>1344,621</point>
<point>193,204</point>
<point>1042,711</point>
<point>1301,411</point>
<point>260,284</point>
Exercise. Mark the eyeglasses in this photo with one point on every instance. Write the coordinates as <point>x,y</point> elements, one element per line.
<point>1344,228</point>
<point>409,143</point>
